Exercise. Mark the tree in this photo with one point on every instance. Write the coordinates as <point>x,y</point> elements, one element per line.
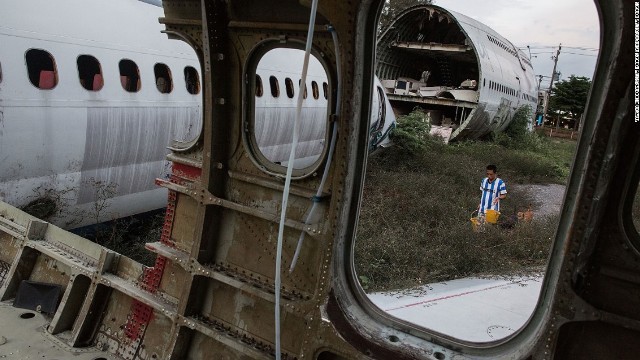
<point>569,97</point>
<point>392,8</point>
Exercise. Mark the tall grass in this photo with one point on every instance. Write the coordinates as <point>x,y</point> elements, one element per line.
<point>414,225</point>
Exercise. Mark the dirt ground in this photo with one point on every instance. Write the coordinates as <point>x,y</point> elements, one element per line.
<point>547,198</point>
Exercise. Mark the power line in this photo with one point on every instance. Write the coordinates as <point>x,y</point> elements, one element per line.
<point>580,54</point>
<point>585,48</point>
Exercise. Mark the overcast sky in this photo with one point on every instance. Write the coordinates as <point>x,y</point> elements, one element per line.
<point>542,24</point>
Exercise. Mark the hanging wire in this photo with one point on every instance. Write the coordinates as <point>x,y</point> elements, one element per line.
<point>287,182</point>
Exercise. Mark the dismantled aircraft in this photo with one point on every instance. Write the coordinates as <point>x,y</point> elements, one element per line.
<point>468,78</point>
<point>216,283</point>
<point>100,109</point>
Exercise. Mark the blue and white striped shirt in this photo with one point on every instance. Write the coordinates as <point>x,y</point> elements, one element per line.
<point>491,190</point>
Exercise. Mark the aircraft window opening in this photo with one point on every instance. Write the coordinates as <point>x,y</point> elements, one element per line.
<point>259,89</point>
<point>271,121</point>
<point>484,82</point>
<point>192,80</point>
<point>164,83</point>
<point>0,72</point>
<point>304,96</point>
<point>315,90</point>
<point>42,69</point>
<point>289,86</point>
<point>90,73</point>
<point>129,75</point>
<point>275,87</point>
<point>325,90</point>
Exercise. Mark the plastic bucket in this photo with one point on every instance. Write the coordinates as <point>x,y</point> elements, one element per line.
<point>492,216</point>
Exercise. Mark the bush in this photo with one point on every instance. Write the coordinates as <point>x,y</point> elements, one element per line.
<point>519,128</point>
<point>412,131</point>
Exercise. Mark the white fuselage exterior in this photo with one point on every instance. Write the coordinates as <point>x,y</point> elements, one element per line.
<point>95,154</point>
<point>506,80</point>
<point>279,72</point>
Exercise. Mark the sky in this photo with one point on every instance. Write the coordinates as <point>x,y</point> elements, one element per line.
<point>543,25</point>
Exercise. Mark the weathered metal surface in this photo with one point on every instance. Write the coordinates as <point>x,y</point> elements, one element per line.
<point>211,291</point>
<point>64,154</point>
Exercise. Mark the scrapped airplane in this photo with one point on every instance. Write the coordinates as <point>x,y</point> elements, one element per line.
<point>212,291</point>
<point>101,107</point>
<point>468,78</point>
<point>88,108</point>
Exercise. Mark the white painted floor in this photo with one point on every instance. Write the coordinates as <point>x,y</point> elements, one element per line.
<point>471,309</point>
<point>23,337</point>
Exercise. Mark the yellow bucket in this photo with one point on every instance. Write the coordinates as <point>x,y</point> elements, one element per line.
<point>492,216</point>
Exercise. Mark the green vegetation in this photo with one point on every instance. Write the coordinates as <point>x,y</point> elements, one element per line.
<point>411,135</point>
<point>569,97</point>
<point>415,228</point>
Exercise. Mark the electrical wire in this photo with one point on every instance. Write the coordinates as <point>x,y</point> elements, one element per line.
<point>334,136</point>
<point>287,182</point>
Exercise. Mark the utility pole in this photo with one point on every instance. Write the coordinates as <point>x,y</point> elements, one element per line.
<point>553,74</point>
<point>539,81</point>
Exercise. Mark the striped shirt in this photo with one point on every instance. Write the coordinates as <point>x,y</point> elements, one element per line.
<point>491,190</point>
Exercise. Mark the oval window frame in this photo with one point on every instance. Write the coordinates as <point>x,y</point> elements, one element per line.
<point>248,113</point>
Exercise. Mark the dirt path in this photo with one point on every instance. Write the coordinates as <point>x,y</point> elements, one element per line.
<point>547,198</point>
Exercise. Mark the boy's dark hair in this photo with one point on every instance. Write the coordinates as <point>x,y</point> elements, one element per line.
<point>493,168</point>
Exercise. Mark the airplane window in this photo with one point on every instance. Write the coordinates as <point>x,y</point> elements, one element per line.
<point>259,89</point>
<point>289,85</point>
<point>273,118</point>
<point>275,87</point>
<point>0,72</point>
<point>315,90</point>
<point>325,90</point>
<point>304,96</point>
<point>42,69</point>
<point>417,254</point>
<point>164,83</point>
<point>192,80</point>
<point>90,73</point>
<point>129,75</point>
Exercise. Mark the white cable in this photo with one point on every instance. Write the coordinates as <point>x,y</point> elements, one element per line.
<point>334,135</point>
<point>287,182</point>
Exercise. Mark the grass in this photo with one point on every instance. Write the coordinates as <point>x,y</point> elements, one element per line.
<point>128,236</point>
<point>414,224</point>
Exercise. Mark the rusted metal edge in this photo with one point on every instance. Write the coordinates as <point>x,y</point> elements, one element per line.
<point>275,26</point>
<point>135,292</point>
<point>185,161</point>
<point>273,184</point>
<point>62,256</point>
<point>242,282</point>
<point>176,21</point>
<point>206,198</point>
<point>12,228</point>
<point>226,337</point>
